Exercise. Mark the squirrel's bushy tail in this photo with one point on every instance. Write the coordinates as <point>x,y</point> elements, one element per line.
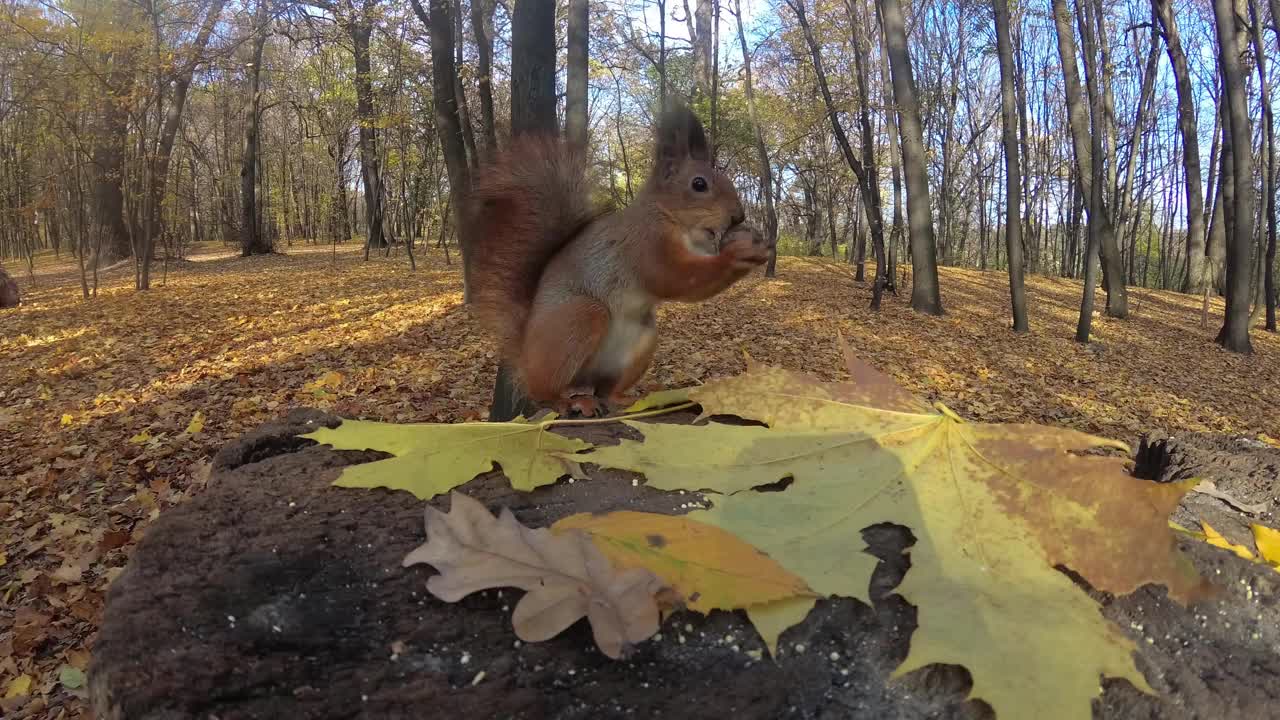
<point>525,205</point>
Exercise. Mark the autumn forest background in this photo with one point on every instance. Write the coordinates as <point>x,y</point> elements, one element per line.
<point>218,210</point>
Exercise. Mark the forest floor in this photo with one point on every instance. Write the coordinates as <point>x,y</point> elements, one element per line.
<point>110,409</point>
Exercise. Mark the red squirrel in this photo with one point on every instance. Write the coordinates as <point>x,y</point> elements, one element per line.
<point>569,288</point>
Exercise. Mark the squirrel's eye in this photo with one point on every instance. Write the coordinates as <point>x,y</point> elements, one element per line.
<point>699,184</point>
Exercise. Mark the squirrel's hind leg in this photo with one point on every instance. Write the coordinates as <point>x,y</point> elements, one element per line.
<point>559,341</point>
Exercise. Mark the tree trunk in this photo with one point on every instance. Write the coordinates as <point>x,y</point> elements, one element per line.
<point>859,241</point>
<point>812,219</point>
<point>1094,16</point>
<point>533,110</point>
<point>864,170</point>
<point>1196,277</point>
<point>439,22</point>
<point>831,219</point>
<point>715,81</point>
<point>482,28</point>
<point>703,49</point>
<point>762,150</point>
<point>1237,141</point>
<point>662,55</point>
<point>159,172</point>
<point>1079,117</point>
<point>252,239</point>
<point>460,92</point>
<point>925,294</point>
<point>533,68</point>
<point>1013,175</point>
<point>360,29</point>
<point>1020,95</point>
<point>1269,284</point>
<point>1146,91</point>
<point>1215,234</point>
<point>340,225</point>
<point>1268,299</point>
<point>895,156</point>
<point>1085,324</point>
<point>1264,299</point>
<point>575,104</point>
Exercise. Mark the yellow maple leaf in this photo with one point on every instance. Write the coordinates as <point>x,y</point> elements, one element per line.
<point>431,459</point>
<point>1268,542</point>
<point>147,499</point>
<point>994,509</point>
<point>710,568</point>
<point>140,438</point>
<point>660,398</point>
<point>1215,538</point>
<point>197,423</point>
<point>18,687</point>
<point>66,419</point>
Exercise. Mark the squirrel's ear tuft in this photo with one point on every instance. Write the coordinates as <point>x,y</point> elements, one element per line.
<point>680,137</point>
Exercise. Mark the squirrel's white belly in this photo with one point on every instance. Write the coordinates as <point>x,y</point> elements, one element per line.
<point>631,332</point>
<point>624,343</point>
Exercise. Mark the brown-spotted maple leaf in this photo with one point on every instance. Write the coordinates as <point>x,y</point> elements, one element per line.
<point>994,509</point>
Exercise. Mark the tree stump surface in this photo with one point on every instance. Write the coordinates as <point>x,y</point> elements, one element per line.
<point>276,595</point>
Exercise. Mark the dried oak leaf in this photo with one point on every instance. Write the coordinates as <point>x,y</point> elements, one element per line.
<point>565,575</point>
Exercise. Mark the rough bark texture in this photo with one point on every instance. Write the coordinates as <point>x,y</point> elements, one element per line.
<point>482,28</point>
<point>274,594</point>
<point>575,103</point>
<point>360,28</point>
<point>1216,234</point>
<point>1078,114</point>
<point>1266,290</point>
<point>703,49</point>
<point>1013,175</point>
<point>893,145</point>
<point>1196,277</point>
<point>252,240</point>
<point>926,296</point>
<point>533,67</point>
<point>439,22</point>
<point>1097,194</point>
<point>533,110</point>
<point>1084,324</point>
<point>1238,142</point>
<point>111,132</point>
<point>460,92</point>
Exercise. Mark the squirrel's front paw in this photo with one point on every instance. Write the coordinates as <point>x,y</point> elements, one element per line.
<point>743,252</point>
<point>581,403</point>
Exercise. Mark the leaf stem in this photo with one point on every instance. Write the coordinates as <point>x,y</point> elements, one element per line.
<point>947,412</point>
<point>620,418</point>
